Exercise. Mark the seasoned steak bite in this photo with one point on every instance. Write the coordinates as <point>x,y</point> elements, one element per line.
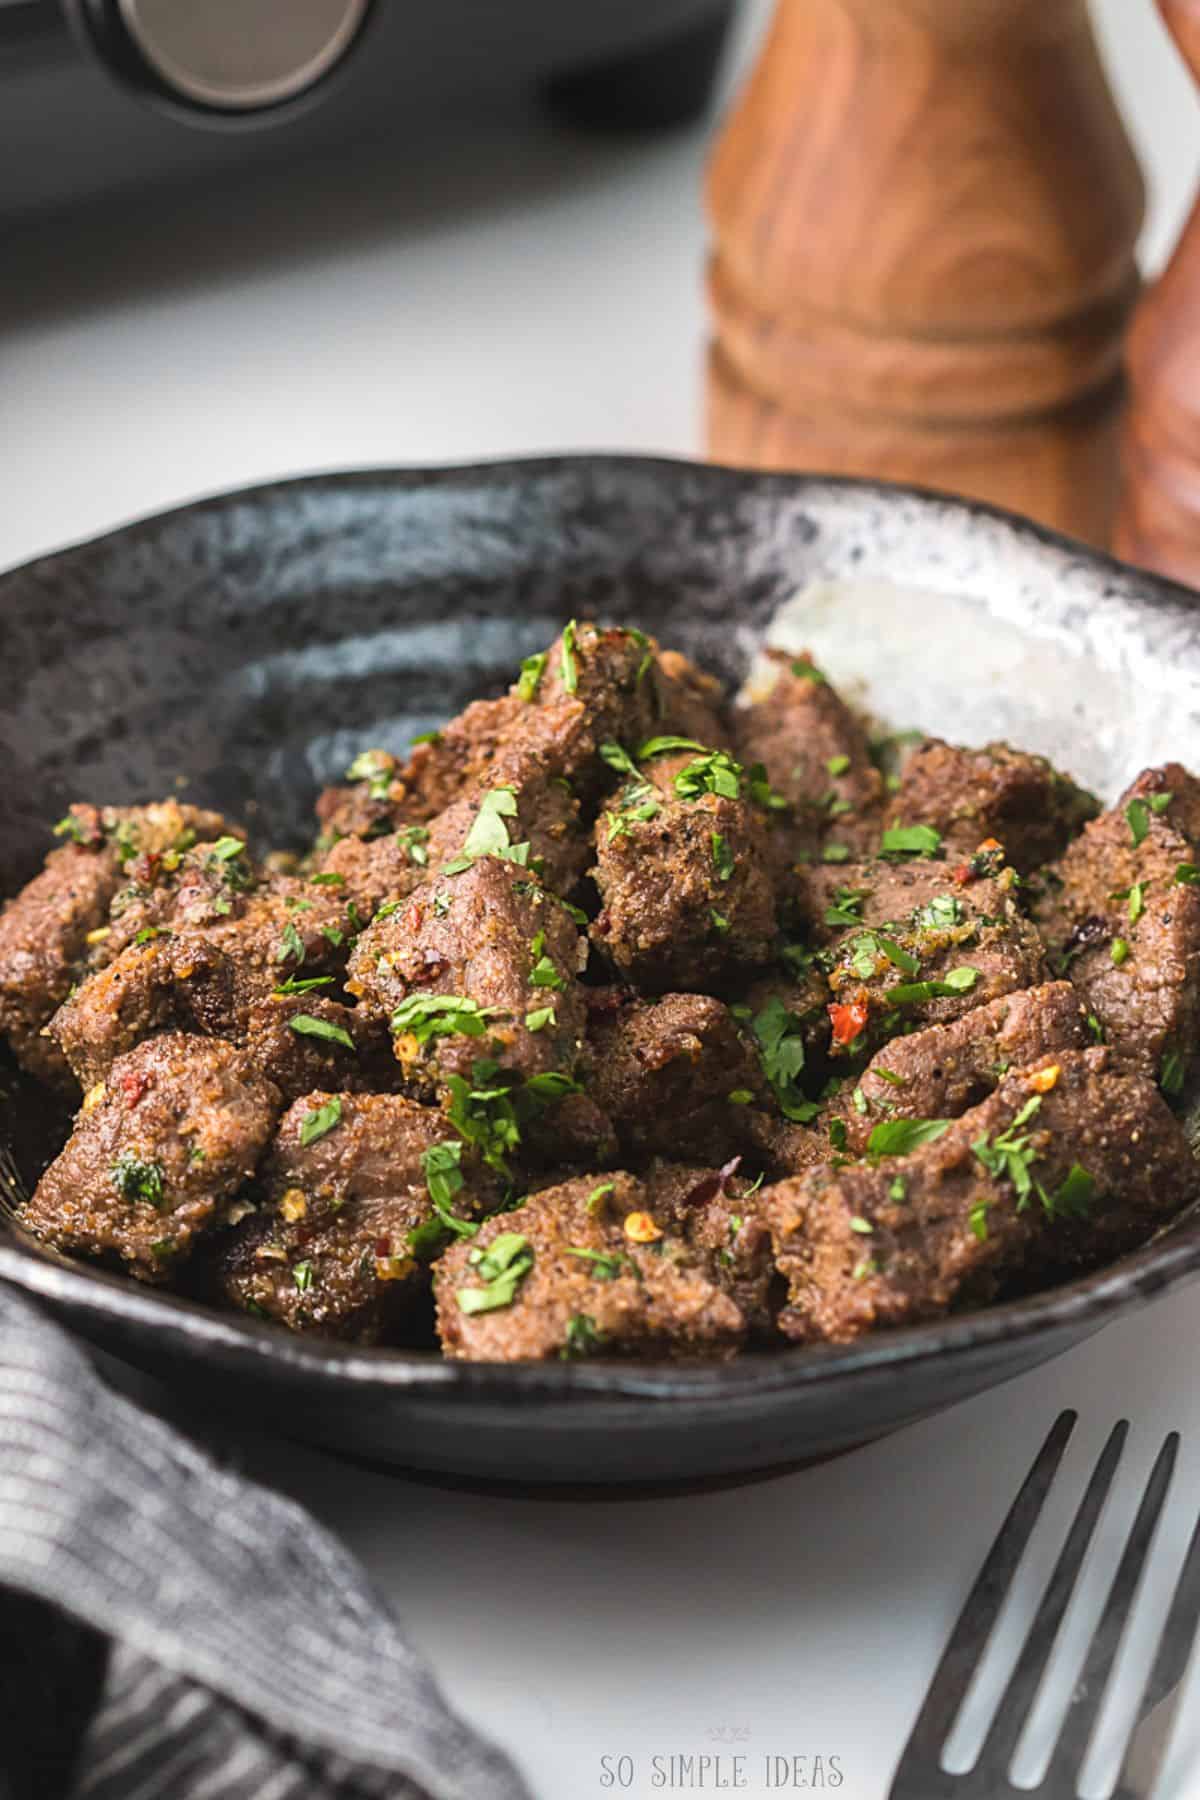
<point>997,792</point>
<point>685,881</point>
<point>305,1041</point>
<point>717,1212</point>
<point>812,747</point>
<point>480,964</point>
<point>1066,1163</point>
<point>1121,914</point>
<point>353,1198</point>
<point>664,1071</point>
<point>582,1269</point>
<point>175,982</point>
<point>62,916</point>
<point>941,1072</point>
<point>932,942</point>
<point>176,1129</point>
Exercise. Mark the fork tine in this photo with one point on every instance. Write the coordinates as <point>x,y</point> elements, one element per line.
<point>1089,1693</point>
<point>1168,1670</point>
<point>1026,1677</point>
<point>978,1616</point>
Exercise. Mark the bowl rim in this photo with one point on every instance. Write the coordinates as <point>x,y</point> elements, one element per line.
<point>1076,1307</point>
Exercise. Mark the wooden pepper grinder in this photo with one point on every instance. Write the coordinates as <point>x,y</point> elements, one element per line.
<point>925,214</point>
<point>1159,520</point>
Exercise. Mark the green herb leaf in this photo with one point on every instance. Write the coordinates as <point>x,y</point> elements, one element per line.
<point>836,853</point>
<point>908,965</point>
<point>302,1275</point>
<point>896,1137</point>
<point>595,1200</point>
<point>503,1265</point>
<point>1009,1154</point>
<point>910,840</point>
<point>846,907</point>
<point>941,913</point>
<point>713,773</point>
<point>720,923</point>
<point>138,1180</point>
<point>806,670</point>
<point>618,759</point>
<point>1170,1078</point>
<point>957,981</point>
<point>226,849</point>
<point>307,1026</point>
<point>1137,901</point>
<point>290,944</point>
<point>779,1035</point>
<point>837,765</point>
<point>322,1120</point>
<point>570,666</point>
<point>1072,1198</point>
<point>662,746</point>
<point>722,857</point>
<point>583,1337</point>
<point>1118,951</point>
<point>1160,802</point>
<point>1187,874</point>
<point>327,878</point>
<point>426,1016</point>
<point>540,1018</point>
<point>488,835</point>
<point>532,670</point>
<point>604,1267</point>
<point>412,840</point>
<point>837,1133</point>
<point>1137,817</point>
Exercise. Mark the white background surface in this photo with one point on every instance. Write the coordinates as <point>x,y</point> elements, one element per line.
<point>518,290</point>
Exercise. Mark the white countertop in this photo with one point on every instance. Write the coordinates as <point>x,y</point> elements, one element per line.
<point>523,291</point>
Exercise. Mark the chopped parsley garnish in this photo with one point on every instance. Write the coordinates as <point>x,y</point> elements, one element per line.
<point>426,1016</point>
<point>328,878</point>
<point>302,1275</point>
<point>618,759</point>
<point>957,981</point>
<point>72,827</point>
<point>307,1026</point>
<point>583,1337</point>
<point>1118,951</point>
<point>837,1133</point>
<point>1137,817</point>
<point>805,670</point>
<point>332,935</point>
<point>1160,802</point>
<point>713,773</point>
<point>898,1189</point>
<point>426,737</point>
<point>863,1226</point>
<point>138,1180</point>
<point>779,1035</point>
<point>722,857</point>
<point>846,906</point>
<point>1072,1198</point>
<point>900,959</point>
<point>720,923</point>
<point>761,791</point>
<point>977,1219</point>
<point>1170,1078</point>
<point>503,1266</point>
<point>532,670</point>
<point>603,1266</point>
<point>226,849</point>
<point>837,765</point>
<point>1187,874</point>
<point>488,835</point>
<point>836,853</point>
<point>1009,1154</point>
<point>896,1137</point>
<point>376,768</point>
<point>941,913</point>
<point>543,972</point>
<point>442,1167</point>
<point>540,1017</point>
<point>1137,901</point>
<point>320,1121</point>
<point>910,840</point>
<point>570,666</point>
<point>739,1097</point>
<point>151,931</point>
<point>290,944</point>
<point>412,840</point>
<point>868,1266</point>
<point>1095,1027</point>
<point>662,746</point>
<point>595,1200</point>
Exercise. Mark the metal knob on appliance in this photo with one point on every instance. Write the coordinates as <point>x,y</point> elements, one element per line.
<point>234,57</point>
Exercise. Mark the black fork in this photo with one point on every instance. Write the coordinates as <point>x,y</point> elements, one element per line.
<point>920,1775</point>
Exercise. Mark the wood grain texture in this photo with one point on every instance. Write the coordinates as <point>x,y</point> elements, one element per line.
<point>1158,524</point>
<point>924,215</point>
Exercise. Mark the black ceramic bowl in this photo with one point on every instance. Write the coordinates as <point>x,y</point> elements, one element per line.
<point>254,642</point>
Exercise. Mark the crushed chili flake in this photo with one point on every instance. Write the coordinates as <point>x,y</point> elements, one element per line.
<point>1042,1080</point>
<point>132,1086</point>
<point>640,1228</point>
<point>848,1019</point>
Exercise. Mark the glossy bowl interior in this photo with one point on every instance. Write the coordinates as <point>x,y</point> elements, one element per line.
<point>242,649</point>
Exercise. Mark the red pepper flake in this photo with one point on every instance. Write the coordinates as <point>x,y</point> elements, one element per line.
<point>132,1087</point>
<point>848,1020</point>
<point>962,874</point>
<point>383,1246</point>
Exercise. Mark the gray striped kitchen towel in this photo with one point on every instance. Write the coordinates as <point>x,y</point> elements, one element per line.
<point>168,1629</point>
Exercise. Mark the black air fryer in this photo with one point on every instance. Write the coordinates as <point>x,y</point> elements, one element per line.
<point>99,94</point>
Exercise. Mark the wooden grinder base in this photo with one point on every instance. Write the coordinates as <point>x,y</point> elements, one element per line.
<point>924,215</point>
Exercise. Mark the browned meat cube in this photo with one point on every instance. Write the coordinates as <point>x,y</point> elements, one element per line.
<point>686,880</point>
<point>178,1126</point>
<point>358,1192</point>
<point>630,689</point>
<point>1066,1164</point>
<point>582,1269</point>
<point>717,1212</point>
<point>674,1075</point>
<point>306,1041</point>
<point>47,930</point>
<point>813,749</point>
<point>933,943</point>
<point>383,795</point>
<point>1121,914</point>
<point>172,982</point>
<point>480,964</point>
<point>1009,796</point>
<point>786,1017</point>
<point>941,1072</point>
